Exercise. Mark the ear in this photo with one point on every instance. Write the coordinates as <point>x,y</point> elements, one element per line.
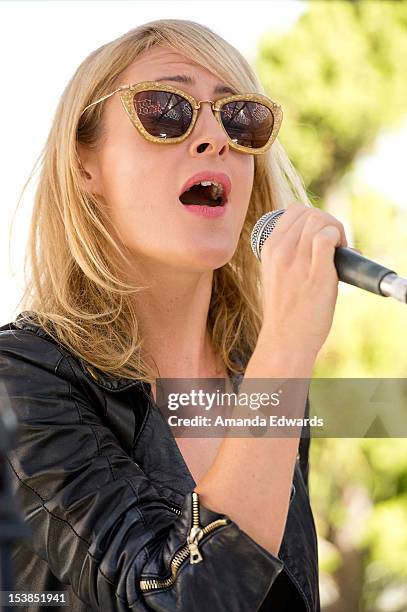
<point>90,170</point>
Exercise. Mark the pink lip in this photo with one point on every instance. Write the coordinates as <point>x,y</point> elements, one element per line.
<point>219,177</point>
<point>206,211</point>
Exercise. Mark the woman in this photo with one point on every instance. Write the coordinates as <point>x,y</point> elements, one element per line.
<point>134,278</point>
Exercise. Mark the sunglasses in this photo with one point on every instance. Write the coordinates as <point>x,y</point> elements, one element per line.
<point>166,115</point>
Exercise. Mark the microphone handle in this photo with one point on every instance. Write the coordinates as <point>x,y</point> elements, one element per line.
<point>354,269</point>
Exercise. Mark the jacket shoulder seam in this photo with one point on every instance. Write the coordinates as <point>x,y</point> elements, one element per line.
<point>28,332</point>
<point>122,384</point>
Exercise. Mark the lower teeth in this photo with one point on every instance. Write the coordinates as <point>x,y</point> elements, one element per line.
<point>210,204</point>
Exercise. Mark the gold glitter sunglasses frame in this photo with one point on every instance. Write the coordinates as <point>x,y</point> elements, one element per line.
<point>127,93</point>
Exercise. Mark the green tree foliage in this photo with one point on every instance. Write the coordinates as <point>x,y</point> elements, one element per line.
<point>340,76</point>
<point>359,499</point>
<point>366,335</point>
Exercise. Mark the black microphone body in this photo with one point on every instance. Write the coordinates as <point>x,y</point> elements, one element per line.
<point>352,267</point>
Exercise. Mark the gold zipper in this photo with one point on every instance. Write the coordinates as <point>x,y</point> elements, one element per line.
<point>190,549</point>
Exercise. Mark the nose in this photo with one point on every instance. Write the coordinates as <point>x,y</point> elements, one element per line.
<point>207,136</point>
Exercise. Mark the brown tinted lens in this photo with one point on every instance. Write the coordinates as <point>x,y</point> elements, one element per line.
<point>162,113</point>
<point>249,124</point>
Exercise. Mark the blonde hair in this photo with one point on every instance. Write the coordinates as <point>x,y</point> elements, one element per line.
<point>75,281</point>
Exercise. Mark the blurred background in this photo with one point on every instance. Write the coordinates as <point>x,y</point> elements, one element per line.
<point>339,69</point>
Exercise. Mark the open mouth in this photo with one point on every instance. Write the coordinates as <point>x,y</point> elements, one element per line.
<point>204,195</point>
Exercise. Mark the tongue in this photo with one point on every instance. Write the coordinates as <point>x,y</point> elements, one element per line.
<point>198,195</point>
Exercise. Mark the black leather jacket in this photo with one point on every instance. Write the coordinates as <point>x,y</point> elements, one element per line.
<point>108,497</point>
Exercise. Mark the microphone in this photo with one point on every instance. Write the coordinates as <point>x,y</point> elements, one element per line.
<point>351,267</point>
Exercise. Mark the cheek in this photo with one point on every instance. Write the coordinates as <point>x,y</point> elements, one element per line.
<point>138,189</point>
<point>127,177</point>
<point>244,182</point>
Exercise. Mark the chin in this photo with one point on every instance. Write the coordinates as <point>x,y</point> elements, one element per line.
<point>190,258</point>
<point>210,259</point>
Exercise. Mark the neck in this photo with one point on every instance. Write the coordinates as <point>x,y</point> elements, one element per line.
<point>173,316</point>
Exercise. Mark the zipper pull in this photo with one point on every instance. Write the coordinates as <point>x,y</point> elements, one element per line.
<point>195,535</point>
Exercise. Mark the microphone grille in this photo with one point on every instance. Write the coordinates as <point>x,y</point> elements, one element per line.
<point>262,230</point>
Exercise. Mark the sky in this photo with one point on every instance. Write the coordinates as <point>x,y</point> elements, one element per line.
<point>38,61</point>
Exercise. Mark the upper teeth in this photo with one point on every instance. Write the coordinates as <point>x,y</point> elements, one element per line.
<point>216,189</point>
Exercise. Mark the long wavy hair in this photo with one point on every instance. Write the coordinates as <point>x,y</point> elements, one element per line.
<point>75,281</point>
